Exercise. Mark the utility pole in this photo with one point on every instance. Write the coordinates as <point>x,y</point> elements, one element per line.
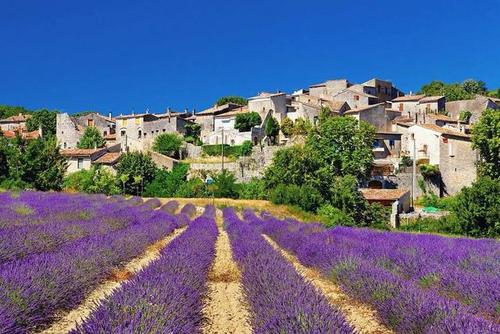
<point>414,171</point>
<point>222,148</point>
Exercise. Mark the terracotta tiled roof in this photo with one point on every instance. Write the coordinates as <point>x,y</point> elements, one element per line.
<point>428,99</point>
<point>25,135</point>
<point>80,152</point>
<point>440,117</point>
<point>408,98</point>
<point>218,109</point>
<point>383,194</point>
<point>110,136</point>
<point>265,94</point>
<point>109,158</point>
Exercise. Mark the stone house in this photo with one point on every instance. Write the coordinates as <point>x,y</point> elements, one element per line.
<point>206,118</point>
<point>16,122</point>
<point>383,89</point>
<point>83,159</point>
<point>136,132</point>
<point>309,107</point>
<point>397,199</point>
<point>356,96</point>
<point>329,88</point>
<point>70,129</point>
<point>407,105</point>
<point>376,114</point>
<point>432,104</point>
<point>476,106</point>
<point>269,105</point>
<point>450,150</point>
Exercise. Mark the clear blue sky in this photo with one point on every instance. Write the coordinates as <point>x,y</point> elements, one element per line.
<point>76,55</point>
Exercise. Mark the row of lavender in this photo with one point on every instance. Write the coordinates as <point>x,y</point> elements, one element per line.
<point>94,217</point>
<point>34,287</point>
<point>417,283</point>
<point>167,296</point>
<point>279,298</point>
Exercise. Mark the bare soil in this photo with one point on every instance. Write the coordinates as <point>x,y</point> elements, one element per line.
<point>225,309</point>
<point>360,316</point>
<point>70,320</point>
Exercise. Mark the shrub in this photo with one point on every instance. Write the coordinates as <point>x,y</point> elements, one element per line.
<point>166,183</point>
<point>231,99</point>
<point>246,148</point>
<point>134,170</point>
<point>255,189</point>
<point>446,224</point>
<point>193,132</point>
<point>192,188</point>
<point>333,216</point>
<point>309,198</point>
<point>477,208</point>
<point>96,180</point>
<point>287,126</point>
<point>216,150</point>
<point>378,216</point>
<point>91,138</point>
<point>406,161</point>
<point>428,170</point>
<point>285,194</point>
<point>272,129</point>
<point>246,121</point>
<point>168,144</point>
<point>225,185</point>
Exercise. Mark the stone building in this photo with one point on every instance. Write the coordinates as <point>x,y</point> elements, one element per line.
<point>136,132</point>
<point>269,105</point>
<point>16,122</point>
<point>376,114</point>
<point>407,105</point>
<point>383,89</point>
<point>309,107</point>
<point>206,118</point>
<point>70,129</point>
<point>450,150</point>
<point>476,106</point>
<point>432,104</point>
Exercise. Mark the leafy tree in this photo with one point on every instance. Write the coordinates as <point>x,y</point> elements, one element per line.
<point>343,146</point>
<point>428,170</point>
<point>433,88</point>
<point>325,113</point>
<point>193,132</point>
<point>486,138</point>
<point>474,86</point>
<point>272,129</point>
<point>232,99</point>
<point>346,197</point>
<point>45,119</point>
<point>465,116</point>
<point>168,144</point>
<point>333,216</point>
<point>494,93</point>
<point>91,138</point>
<point>302,127</point>
<point>246,121</point>
<point>166,183</point>
<point>225,185</point>
<point>455,92</point>
<point>287,126</point>
<point>94,181</point>
<point>133,165</point>
<point>477,208</point>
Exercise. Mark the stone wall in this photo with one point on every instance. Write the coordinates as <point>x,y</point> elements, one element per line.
<point>163,161</point>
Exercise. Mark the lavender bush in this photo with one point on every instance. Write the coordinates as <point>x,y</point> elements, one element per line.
<point>167,296</point>
<point>34,288</point>
<point>281,301</point>
<point>153,203</point>
<point>361,261</point>
<point>170,207</point>
<point>189,210</point>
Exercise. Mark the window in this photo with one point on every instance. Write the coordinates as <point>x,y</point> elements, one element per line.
<point>451,152</point>
<point>123,133</point>
<point>105,133</point>
<point>137,120</point>
<point>356,97</point>
<point>90,122</point>
<point>139,134</point>
<point>65,145</point>
<point>392,143</point>
<point>401,107</point>
<point>79,163</point>
<point>124,122</point>
<point>163,130</point>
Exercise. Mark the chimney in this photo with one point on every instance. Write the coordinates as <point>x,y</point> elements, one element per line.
<point>193,112</point>
<point>109,116</point>
<point>186,110</point>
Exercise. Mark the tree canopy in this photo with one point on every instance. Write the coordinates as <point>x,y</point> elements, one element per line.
<point>8,111</point>
<point>91,138</point>
<point>486,139</point>
<point>455,91</point>
<point>135,170</point>
<point>272,129</point>
<point>231,99</point>
<point>246,121</point>
<point>45,119</point>
<point>168,144</point>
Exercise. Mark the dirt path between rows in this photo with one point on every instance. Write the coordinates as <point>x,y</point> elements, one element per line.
<point>70,320</point>
<point>360,316</point>
<point>225,308</point>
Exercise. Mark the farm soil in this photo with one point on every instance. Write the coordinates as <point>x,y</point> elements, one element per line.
<point>360,316</point>
<point>225,310</point>
<point>69,321</point>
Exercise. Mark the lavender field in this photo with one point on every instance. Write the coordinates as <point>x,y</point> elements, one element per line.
<point>58,250</point>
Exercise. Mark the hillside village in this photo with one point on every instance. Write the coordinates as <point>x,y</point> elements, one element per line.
<point>425,129</point>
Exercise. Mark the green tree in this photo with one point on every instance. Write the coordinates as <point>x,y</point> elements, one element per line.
<point>473,87</point>
<point>346,197</point>
<point>246,121</point>
<point>225,185</point>
<point>231,99</point>
<point>91,138</point>
<point>287,127</point>
<point>193,132</point>
<point>434,88</point>
<point>246,148</point>
<point>166,183</point>
<point>168,144</point>
<point>45,119</point>
<point>272,129</point>
<point>477,208</point>
<point>97,180</point>
<point>465,116</point>
<point>343,146</point>
<point>302,127</point>
<point>135,164</point>
<point>486,139</point>
<point>254,189</point>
